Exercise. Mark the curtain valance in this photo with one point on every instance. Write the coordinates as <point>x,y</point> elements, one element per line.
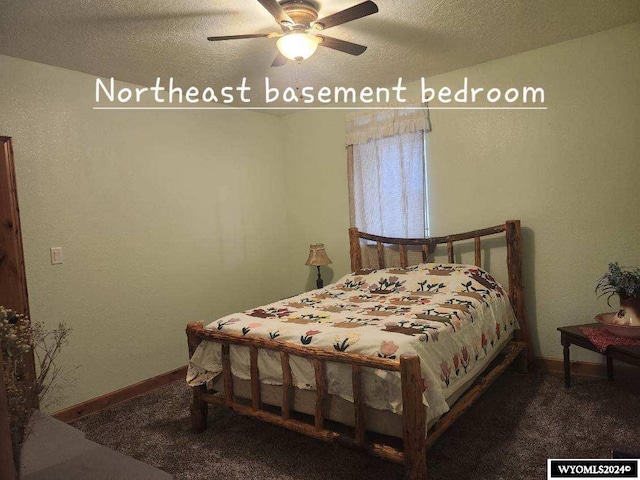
<point>365,125</point>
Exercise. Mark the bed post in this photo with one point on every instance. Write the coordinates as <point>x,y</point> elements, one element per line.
<point>516,289</point>
<point>354,250</point>
<point>413,417</point>
<point>199,408</point>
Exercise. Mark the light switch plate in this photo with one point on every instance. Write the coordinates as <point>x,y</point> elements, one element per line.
<point>56,255</point>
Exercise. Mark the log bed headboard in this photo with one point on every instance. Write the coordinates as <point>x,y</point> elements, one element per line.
<point>513,234</point>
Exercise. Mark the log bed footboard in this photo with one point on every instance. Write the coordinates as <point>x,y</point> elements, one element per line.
<point>413,453</point>
<point>409,368</point>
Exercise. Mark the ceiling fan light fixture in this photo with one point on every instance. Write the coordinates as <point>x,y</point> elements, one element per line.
<point>298,46</point>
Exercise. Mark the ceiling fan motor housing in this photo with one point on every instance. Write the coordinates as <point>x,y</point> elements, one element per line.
<point>301,12</point>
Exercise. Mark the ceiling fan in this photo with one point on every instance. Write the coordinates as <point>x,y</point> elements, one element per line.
<point>299,22</point>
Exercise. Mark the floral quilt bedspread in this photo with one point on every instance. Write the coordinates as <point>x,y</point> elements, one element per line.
<point>453,316</point>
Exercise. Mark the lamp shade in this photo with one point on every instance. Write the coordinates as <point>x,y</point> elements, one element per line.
<point>298,46</point>
<point>317,255</point>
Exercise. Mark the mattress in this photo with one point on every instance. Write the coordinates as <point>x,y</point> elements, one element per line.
<point>454,317</point>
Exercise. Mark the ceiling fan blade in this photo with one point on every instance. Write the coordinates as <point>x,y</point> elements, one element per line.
<point>279,61</point>
<point>237,37</point>
<point>342,45</point>
<point>274,8</point>
<point>353,13</point>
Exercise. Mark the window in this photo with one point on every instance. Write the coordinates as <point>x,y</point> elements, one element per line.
<point>388,186</point>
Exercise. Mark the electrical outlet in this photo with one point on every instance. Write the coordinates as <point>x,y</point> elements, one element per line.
<point>56,255</point>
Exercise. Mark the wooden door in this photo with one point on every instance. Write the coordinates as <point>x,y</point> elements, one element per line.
<point>13,281</point>
<point>13,284</point>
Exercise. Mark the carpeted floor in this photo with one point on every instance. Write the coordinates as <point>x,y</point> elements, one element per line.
<point>520,422</point>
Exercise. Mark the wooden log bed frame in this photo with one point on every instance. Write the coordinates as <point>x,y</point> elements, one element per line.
<point>415,444</point>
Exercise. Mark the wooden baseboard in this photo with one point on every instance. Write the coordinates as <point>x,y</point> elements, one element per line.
<point>91,406</point>
<point>554,365</point>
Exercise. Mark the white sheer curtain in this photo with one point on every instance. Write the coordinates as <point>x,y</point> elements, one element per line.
<point>387,178</point>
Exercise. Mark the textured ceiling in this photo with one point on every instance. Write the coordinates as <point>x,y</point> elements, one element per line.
<point>137,41</point>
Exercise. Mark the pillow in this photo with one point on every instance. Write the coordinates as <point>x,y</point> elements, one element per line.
<point>425,278</point>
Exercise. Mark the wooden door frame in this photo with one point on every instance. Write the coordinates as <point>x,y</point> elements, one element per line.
<point>10,219</point>
<point>20,302</point>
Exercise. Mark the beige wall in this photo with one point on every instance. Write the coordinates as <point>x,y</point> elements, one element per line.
<point>569,173</point>
<point>163,218</point>
<point>318,206</point>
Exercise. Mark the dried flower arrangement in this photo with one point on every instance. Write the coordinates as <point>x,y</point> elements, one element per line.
<point>26,392</point>
<point>621,281</point>
<point>624,282</point>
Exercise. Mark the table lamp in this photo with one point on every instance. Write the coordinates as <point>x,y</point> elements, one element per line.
<point>317,258</point>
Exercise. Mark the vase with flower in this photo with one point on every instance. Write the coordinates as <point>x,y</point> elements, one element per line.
<point>625,283</point>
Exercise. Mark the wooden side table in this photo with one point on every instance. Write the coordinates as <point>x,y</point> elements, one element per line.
<point>573,336</point>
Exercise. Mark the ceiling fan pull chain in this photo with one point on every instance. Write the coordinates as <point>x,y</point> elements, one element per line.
<point>297,80</point>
